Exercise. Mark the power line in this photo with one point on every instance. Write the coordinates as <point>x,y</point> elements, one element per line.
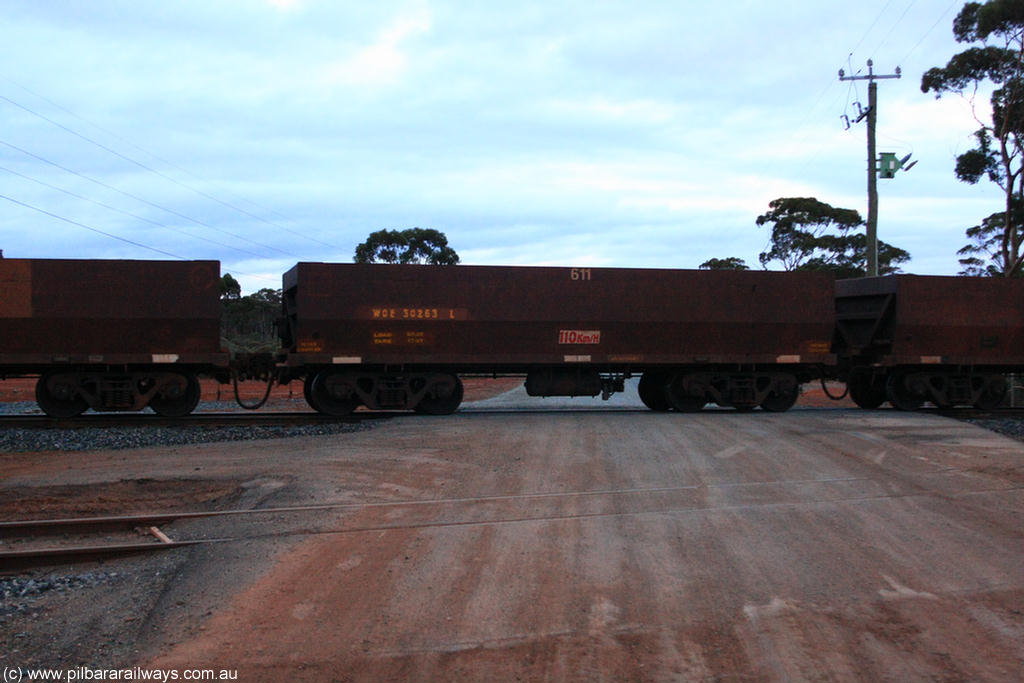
<point>126,213</point>
<point>871,27</point>
<point>144,201</point>
<point>929,31</point>
<point>893,28</point>
<point>159,173</point>
<point>116,237</point>
<point>89,227</point>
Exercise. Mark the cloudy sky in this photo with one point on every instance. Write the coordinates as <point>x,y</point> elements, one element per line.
<point>635,134</point>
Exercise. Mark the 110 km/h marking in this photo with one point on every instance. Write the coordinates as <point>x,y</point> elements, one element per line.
<point>579,336</point>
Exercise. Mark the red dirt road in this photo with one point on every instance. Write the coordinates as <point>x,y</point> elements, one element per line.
<point>811,546</point>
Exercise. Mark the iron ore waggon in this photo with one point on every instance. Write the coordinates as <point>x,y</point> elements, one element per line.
<point>908,339</point>
<point>393,336</point>
<point>125,335</point>
<point>111,335</point>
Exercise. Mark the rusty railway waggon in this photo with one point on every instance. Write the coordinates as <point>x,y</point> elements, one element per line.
<point>111,335</point>
<point>393,336</point>
<point>910,339</point>
<point>125,335</point>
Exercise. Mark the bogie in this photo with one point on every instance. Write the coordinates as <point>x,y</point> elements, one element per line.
<point>338,393</point>
<point>772,390</point>
<point>67,393</point>
<point>909,388</point>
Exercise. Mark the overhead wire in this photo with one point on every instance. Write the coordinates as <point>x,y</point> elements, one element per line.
<point>89,227</point>
<point>929,31</point>
<point>892,29</point>
<point>870,28</point>
<point>140,199</point>
<point>127,213</point>
<point>811,111</point>
<point>158,173</point>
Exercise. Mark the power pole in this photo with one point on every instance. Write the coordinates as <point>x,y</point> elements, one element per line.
<point>871,113</point>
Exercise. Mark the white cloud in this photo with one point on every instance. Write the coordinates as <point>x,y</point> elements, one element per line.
<point>384,61</point>
<point>529,132</point>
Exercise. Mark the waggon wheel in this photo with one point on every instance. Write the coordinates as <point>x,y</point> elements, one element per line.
<point>675,393</point>
<point>652,391</point>
<point>993,395</point>
<point>332,394</point>
<point>865,393</point>
<point>900,395</point>
<point>781,401</point>
<point>175,401</point>
<point>307,391</point>
<point>445,404</point>
<point>57,396</point>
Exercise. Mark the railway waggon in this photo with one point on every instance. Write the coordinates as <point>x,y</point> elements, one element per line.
<point>391,336</point>
<point>111,335</point>
<point>123,335</point>
<point>908,339</point>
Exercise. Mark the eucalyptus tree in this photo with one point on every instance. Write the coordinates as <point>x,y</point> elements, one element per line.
<point>996,28</point>
<point>808,234</point>
<point>414,245</point>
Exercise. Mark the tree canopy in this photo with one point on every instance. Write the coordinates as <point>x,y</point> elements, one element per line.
<point>414,245</point>
<point>730,263</point>
<point>808,234</point>
<point>248,322</point>
<point>229,287</point>
<point>983,255</point>
<point>998,25</point>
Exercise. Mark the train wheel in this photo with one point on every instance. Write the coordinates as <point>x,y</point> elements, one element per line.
<point>444,401</point>
<point>652,391</point>
<point>57,395</point>
<point>781,401</point>
<point>993,395</point>
<point>677,396</point>
<point>307,392</point>
<point>175,400</point>
<point>865,393</point>
<point>900,395</point>
<point>333,394</point>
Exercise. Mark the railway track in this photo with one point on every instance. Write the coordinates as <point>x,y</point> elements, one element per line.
<point>121,536</point>
<point>26,544</point>
<point>118,535</point>
<point>290,419</point>
<point>286,419</point>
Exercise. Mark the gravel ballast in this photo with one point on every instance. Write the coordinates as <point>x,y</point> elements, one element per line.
<point>21,440</point>
<point>1009,426</point>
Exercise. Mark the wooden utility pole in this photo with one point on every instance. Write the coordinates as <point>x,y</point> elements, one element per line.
<point>871,113</point>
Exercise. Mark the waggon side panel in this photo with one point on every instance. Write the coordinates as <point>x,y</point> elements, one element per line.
<point>525,315</point>
<point>110,312</point>
<point>943,320</point>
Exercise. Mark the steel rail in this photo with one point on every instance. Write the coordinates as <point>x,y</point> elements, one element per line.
<point>20,559</point>
<point>16,560</point>
<point>194,420</point>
